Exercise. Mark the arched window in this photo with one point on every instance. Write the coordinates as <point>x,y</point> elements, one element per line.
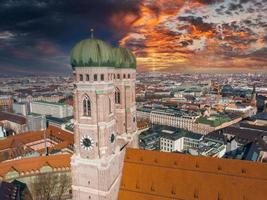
<point>102,77</point>
<point>109,104</point>
<point>86,106</point>
<point>81,77</point>
<point>87,77</point>
<point>117,96</point>
<point>95,77</point>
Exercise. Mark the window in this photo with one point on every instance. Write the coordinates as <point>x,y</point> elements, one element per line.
<point>86,106</point>
<point>95,77</point>
<point>118,76</point>
<point>129,76</point>
<point>102,77</point>
<point>87,77</point>
<point>109,102</point>
<point>81,77</point>
<point>117,96</point>
<point>124,75</point>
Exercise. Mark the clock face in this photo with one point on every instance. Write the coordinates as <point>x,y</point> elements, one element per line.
<point>87,143</point>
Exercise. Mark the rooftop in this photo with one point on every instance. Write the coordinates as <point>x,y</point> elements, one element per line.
<point>154,175</point>
<point>260,116</point>
<point>171,111</point>
<point>214,120</point>
<point>17,145</point>
<point>179,133</point>
<point>19,119</point>
<point>35,163</point>
<point>51,103</point>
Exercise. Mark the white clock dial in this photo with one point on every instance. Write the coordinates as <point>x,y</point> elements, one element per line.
<point>87,143</point>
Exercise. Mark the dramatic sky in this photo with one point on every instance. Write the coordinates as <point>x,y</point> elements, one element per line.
<point>36,36</point>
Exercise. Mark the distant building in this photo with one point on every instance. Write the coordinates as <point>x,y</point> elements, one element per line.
<point>247,133</point>
<point>59,122</point>
<point>211,147</point>
<point>2,131</point>
<point>57,110</point>
<point>188,91</point>
<point>6,103</point>
<point>17,123</point>
<point>169,117</point>
<point>188,119</point>
<point>261,103</point>
<point>149,140</point>
<point>175,118</point>
<point>36,122</point>
<point>244,110</point>
<point>20,108</point>
<point>248,151</point>
<point>143,113</point>
<point>178,140</point>
<point>29,98</point>
<point>15,190</point>
<point>207,124</point>
<point>260,119</point>
<point>168,139</point>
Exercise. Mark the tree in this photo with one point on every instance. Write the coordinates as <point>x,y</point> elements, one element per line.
<point>51,186</point>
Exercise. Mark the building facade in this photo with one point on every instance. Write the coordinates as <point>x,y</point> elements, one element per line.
<point>20,108</point>
<point>104,117</point>
<point>36,122</point>
<point>6,103</point>
<point>58,110</point>
<point>14,122</point>
<point>169,117</point>
<point>179,140</point>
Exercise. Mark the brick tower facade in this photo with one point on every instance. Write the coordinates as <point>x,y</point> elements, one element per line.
<point>105,120</point>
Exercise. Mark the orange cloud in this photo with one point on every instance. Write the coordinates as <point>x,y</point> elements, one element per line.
<point>167,34</point>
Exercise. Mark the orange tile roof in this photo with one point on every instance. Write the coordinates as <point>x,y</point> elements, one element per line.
<point>35,163</point>
<point>9,147</point>
<point>28,137</point>
<point>153,175</point>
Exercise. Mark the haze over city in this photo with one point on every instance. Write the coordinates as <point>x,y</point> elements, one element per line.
<point>36,36</point>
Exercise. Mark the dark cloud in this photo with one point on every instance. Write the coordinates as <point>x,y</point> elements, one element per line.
<point>210,1</point>
<point>233,7</point>
<point>46,29</point>
<point>198,23</point>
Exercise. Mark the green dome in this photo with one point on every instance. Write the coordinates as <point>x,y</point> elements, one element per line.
<point>93,53</point>
<point>124,58</point>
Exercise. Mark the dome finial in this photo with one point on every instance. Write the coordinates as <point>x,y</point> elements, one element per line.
<point>92,33</point>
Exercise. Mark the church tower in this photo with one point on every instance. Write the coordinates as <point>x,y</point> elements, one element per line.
<point>105,120</point>
<point>125,105</point>
<point>254,96</point>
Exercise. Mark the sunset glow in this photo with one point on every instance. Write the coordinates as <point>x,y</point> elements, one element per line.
<point>185,35</point>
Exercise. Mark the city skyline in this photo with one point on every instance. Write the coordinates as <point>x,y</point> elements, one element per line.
<point>171,35</point>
